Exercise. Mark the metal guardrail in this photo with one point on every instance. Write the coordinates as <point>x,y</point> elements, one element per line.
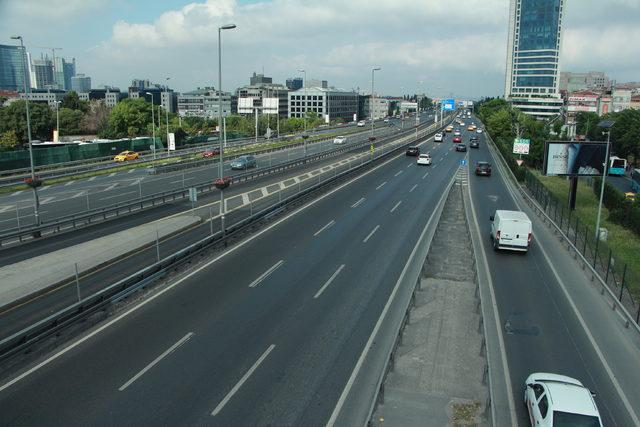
<point>615,301</point>
<point>74,221</point>
<point>54,323</point>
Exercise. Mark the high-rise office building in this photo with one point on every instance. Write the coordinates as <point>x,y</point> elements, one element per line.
<point>80,83</point>
<point>294,83</point>
<point>42,73</point>
<point>13,63</point>
<point>533,52</point>
<point>63,70</point>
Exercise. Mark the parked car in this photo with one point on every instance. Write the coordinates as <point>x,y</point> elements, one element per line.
<point>511,230</point>
<point>558,400</point>
<point>438,137</point>
<point>340,140</point>
<point>424,159</point>
<point>126,155</point>
<point>244,162</point>
<point>413,151</point>
<point>211,153</point>
<point>457,139</point>
<point>461,147</point>
<point>483,168</point>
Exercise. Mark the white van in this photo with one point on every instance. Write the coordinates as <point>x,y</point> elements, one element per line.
<point>339,139</point>
<point>511,230</point>
<point>361,123</point>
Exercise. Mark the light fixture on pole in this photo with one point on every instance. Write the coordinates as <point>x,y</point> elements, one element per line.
<point>153,127</point>
<point>36,205</point>
<point>607,124</point>
<point>373,70</point>
<point>220,131</point>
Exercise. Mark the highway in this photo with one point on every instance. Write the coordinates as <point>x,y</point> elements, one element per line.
<point>77,196</point>
<point>267,332</point>
<point>540,328</point>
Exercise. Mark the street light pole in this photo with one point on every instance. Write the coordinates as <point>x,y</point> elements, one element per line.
<point>605,124</point>
<point>304,115</point>
<point>220,131</point>
<point>166,111</point>
<point>153,127</point>
<point>58,118</point>
<point>36,205</point>
<point>373,70</point>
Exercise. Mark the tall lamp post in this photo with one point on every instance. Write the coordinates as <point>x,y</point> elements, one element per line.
<point>607,124</point>
<point>221,159</point>
<point>166,110</point>
<point>58,118</point>
<point>36,205</point>
<point>304,115</point>
<point>153,127</point>
<point>373,70</point>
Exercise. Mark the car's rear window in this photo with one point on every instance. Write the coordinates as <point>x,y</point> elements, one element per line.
<point>567,419</point>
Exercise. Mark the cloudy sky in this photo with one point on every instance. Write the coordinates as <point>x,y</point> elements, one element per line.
<point>440,47</point>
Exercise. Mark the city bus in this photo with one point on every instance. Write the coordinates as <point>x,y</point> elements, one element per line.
<point>617,166</point>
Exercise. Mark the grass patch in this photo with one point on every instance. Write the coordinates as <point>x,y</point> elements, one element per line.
<point>624,244</point>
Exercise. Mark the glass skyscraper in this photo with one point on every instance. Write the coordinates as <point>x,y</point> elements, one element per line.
<point>535,29</point>
<point>12,73</point>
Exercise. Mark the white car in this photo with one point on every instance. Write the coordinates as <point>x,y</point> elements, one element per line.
<point>424,159</point>
<point>558,400</point>
<point>361,123</point>
<point>479,130</point>
<point>340,140</point>
<point>456,133</point>
<point>461,123</point>
<point>438,137</point>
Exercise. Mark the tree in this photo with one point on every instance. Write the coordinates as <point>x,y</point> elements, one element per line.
<point>73,102</point>
<point>96,119</point>
<point>14,117</point>
<point>9,140</point>
<point>587,124</point>
<point>129,118</point>
<point>70,121</point>
<point>625,134</point>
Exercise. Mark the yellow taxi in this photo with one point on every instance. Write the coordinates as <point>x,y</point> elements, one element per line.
<point>449,128</point>
<point>471,128</point>
<point>126,155</point>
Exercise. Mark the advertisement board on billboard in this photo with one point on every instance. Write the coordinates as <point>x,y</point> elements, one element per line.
<point>245,105</point>
<point>521,146</point>
<point>172,141</point>
<point>448,104</point>
<point>564,158</point>
<point>270,105</point>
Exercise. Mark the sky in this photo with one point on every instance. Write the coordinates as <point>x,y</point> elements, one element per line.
<point>442,48</point>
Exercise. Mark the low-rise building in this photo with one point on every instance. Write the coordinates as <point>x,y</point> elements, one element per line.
<point>621,99</point>
<point>380,108</point>
<point>581,101</point>
<point>635,102</point>
<point>262,87</point>
<point>408,107</point>
<point>204,102</point>
<point>575,82</point>
<point>48,96</point>
<point>80,83</point>
<point>110,96</point>
<point>330,103</point>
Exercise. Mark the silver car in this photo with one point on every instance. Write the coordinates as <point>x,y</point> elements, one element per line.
<point>243,163</point>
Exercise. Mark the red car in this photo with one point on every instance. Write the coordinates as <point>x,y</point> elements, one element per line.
<point>211,153</point>
<point>457,139</point>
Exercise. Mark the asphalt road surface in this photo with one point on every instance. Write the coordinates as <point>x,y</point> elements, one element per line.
<point>267,333</point>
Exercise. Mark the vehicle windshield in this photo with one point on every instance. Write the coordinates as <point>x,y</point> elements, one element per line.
<point>566,419</point>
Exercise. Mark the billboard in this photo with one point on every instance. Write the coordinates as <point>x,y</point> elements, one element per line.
<point>270,105</point>
<point>564,158</point>
<point>521,146</point>
<point>245,105</point>
<point>448,104</point>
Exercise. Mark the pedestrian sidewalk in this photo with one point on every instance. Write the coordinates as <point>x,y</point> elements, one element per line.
<point>34,276</point>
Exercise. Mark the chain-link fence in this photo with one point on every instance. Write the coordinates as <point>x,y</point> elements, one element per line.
<point>622,279</point>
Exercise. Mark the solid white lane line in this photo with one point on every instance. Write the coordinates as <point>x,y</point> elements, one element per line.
<point>366,239</point>
<point>112,174</point>
<point>156,360</point>
<point>398,173</point>
<point>69,183</point>
<point>92,178</point>
<point>118,195</point>
<point>425,175</point>
<point>244,378</point>
<point>324,228</point>
<point>135,182</point>
<point>46,200</point>
<point>180,180</point>
<point>413,188</point>
<point>111,187</point>
<point>7,208</point>
<point>131,171</point>
<point>328,282</point>
<point>17,192</point>
<point>79,194</point>
<point>397,204</point>
<point>266,274</point>
<point>183,279</point>
<point>356,204</point>
<point>381,185</point>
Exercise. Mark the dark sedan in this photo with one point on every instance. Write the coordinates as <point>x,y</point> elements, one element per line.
<point>483,168</point>
<point>461,147</point>
<point>474,144</point>
<point>413,151</point>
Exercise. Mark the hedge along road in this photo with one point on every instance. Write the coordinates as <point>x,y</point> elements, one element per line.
<point>72,197</point>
